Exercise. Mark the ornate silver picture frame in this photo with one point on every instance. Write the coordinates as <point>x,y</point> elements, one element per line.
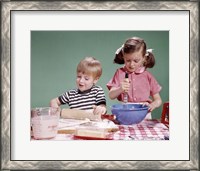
<point>6,11</point>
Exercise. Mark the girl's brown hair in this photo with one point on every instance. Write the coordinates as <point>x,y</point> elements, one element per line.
<point>132,45</point>
<point>90,65</point>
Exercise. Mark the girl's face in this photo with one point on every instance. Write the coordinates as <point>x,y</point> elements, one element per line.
<point>133,61</point>
<point>85,81</point>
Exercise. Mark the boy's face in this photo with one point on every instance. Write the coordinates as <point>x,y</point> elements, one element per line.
<point>85,81</point>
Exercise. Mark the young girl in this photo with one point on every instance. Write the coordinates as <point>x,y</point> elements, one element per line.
<point>87,95</point>
<point>140,84</point>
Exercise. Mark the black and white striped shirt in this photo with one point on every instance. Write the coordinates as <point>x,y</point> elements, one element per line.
<point>83,100</point>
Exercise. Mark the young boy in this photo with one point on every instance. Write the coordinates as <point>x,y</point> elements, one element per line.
<point>87,96</point>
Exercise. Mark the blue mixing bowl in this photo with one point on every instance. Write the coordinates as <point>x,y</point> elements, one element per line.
<point>128,114</point>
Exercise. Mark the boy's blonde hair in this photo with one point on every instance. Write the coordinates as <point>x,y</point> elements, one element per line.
<point>90,65</point>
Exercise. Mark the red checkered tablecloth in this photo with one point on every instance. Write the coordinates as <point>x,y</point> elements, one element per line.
<point>146,130</point>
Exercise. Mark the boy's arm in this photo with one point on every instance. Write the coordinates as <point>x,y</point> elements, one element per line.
<point>55,103</point>
<point>100,109</point>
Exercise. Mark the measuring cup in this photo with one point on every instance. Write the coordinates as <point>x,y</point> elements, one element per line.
<point>44,122</point>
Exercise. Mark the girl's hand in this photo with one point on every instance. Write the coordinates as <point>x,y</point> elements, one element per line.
<point>125,85</point>
<point>157,101</point>
<point>152,106</point>
<point>99,110</point>
<point>147,104</point>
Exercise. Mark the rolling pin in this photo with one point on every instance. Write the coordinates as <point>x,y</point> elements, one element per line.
<point>79,114</point>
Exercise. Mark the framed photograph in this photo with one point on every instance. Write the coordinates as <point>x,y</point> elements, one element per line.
<point>24,26</point>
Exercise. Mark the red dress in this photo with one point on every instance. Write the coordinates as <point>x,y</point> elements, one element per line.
<point>143,85</point>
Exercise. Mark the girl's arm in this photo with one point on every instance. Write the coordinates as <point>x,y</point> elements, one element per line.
<point>55,103</point>
<point>157,101</point>
<point>116,91</point>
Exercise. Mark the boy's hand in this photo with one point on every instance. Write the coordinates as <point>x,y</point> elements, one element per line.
<point>54,103</point>
<point>99,110</point>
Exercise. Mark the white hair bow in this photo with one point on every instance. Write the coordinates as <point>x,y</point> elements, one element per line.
<point>118,50</point>
<point>150,50</point>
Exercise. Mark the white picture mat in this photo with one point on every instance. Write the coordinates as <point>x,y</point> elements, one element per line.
<point>177,23</point>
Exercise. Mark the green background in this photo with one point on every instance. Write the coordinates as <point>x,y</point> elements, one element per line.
<point>55,55</point>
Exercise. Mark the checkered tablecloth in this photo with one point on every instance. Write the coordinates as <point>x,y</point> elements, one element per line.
<point>146,130</point>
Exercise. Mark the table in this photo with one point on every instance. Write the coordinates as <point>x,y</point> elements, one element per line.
<point>146,130</point>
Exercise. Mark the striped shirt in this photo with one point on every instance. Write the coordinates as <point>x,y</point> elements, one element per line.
<point>83,100</point>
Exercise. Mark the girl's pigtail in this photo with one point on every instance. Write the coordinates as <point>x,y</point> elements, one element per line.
<point>150,60</point>
<point>119,56</point>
